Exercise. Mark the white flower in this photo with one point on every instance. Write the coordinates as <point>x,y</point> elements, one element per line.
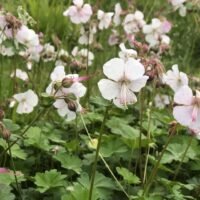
<point>26,101</point>
<point>104,19</point>
<point>83,39</point>
<point>56,76</point>
<point>66,105</point>
<point>27,37</point>
<point>118,12</point>
<point>125,78</point>
<point>20,74</point>
<point>6,51</point>
<point>126,53</point>
<point>113,38</point>
<point>134,22</point>
<point>161,101</point>
<point>179,5</point>
<point>49,52</point>
<point>175,79</point>
<point>155,32</point>
<point>79,12</point>
<point>83,56</point>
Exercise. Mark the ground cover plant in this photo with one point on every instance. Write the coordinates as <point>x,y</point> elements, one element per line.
<point>99,100</point>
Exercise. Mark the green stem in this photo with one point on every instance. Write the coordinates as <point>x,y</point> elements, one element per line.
<point>149,138</point>
<point>14,170</point>
<point>104,161</point>
<point>155,169</point>
<point>97,154</point>
<point>140,137</point>
<point>182,159</point>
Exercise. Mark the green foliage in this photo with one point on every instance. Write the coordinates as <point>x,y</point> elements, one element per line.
<point>5,193</point>
<point>69,162</point>
<point>128,176</point>
<point>48,180</point>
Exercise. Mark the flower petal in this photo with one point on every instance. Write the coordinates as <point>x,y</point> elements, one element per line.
<point>183,114</point>
<point>109,89</point>
<point>114,69</point>
<point>133,69</point>
<point>138,84</point>
<point>183,96</point>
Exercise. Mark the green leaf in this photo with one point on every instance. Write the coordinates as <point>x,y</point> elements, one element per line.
<point>112,146</point>
<point>128,176</point>
<point>49,179</point>
<point>10,125</point>
<point>5,193</point>
<point>35,137</point>
<point>9,178</point>
<point>118,127</point>
<point>17,152</point>
<point>69,162</point>
<point>176,149</point>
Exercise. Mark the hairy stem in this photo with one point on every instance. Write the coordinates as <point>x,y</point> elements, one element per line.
<point>97,154</point>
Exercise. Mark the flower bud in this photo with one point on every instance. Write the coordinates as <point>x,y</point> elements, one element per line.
<point>72,105</point>
<point>67,82</point>
<point>4,132</point>
<point>57,85</point>
<point>2,114</point>
<point>172,127</point>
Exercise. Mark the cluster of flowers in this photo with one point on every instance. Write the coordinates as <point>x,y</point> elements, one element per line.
<point>126,74</point>
<point>133,23</point>
<point>187,106</point>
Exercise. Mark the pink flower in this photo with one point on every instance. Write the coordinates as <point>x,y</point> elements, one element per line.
<point>79,12</point>
<point>3,170</point>
<point>187,113</point>
<point>166,26</point>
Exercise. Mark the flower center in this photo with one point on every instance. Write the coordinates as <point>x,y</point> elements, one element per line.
<point>125,93</point>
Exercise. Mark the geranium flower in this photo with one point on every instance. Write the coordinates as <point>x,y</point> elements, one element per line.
<point>125,78</point>
<point>27,37</point>
<point>156,32</point>
<point>20,74</point>
<point>83,56</point>
<point>56,76</point>
<point>187,113</point>
<point>134,22</point>
<point>161,100</point>
<point>179,5</point>
<point>69,91</point>
<point>79,12</point>
<point>175,79</point>
<point>87,37</point>
<point>26,101</point>
<point>126,53</point>
<point>118,12</point>
<point>104,19</point>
